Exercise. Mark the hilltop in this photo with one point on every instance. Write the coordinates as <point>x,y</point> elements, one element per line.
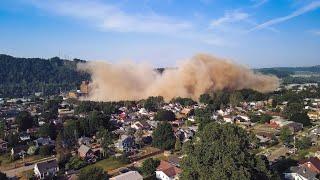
<point>25,76</point>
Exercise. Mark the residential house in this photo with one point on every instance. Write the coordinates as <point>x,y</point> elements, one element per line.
<point>167,171</point>
<point>46,169</point>
<point>228,119</point>
<point>143,125</point>
<point>131,175</point>
<point>86,153</point>
<point>300,173</point>
<point>294,126</point>
<point>187,111</point>
<point>85,140</point>
<point>314,115</point>
<point>3,145</point>
<point>312,163</point>
<point>23,136</point>
<point>44,142</point>
<point>126,143</point>
<point>19,151</point>
<point>184,134</point>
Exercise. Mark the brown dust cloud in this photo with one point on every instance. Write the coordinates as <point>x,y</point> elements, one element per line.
<point>200,74</point>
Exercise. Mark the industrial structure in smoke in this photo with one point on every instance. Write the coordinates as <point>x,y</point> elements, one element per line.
<point>198,75</point>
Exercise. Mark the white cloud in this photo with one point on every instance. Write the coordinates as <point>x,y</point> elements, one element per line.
<point>111,18</point>
<point>229,17</point>
<point>310,7</point>
<point>258,3</point>
<point>315,32</point>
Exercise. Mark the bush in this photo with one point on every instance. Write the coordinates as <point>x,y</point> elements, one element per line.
<point>92,173</point>
<point>46,150</point>
<point>75,163</point>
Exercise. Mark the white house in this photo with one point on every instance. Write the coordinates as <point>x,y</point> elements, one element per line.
<point>167,171</point>
<point>46,169</point>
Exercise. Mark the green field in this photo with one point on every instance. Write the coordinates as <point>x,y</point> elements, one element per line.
<point>108,164</point>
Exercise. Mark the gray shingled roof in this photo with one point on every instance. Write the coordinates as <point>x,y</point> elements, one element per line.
<point>44,166</point>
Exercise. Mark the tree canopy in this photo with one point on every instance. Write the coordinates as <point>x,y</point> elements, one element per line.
<point>164,115</point>
<point>24,120</point>
<point>149,166</point>
<point>92,173</point>
<point>163,136</point>
<point>223,152</point>
<point>302,118</point>
<point>25,76</point>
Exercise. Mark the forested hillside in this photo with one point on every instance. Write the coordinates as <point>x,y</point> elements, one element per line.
<point>25,76</point>
<point>294,74</point>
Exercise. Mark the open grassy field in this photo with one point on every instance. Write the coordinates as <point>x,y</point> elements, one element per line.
<point>108,164</point>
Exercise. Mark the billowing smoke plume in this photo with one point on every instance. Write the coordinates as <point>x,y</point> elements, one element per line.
<point>201,74</point>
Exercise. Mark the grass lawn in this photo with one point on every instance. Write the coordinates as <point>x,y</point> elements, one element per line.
<point>6,162</point>
<point>108,164</point>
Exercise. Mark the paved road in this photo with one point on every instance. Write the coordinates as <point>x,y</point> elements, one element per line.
<point>16,171</point>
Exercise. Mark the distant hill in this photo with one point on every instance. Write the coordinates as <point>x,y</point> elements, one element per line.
<point>25,76</point>
<point>294,74</point>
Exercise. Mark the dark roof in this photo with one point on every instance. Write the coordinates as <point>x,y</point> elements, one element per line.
<point>303,171</point>
<point>128,140</point>
<point>44,166</point>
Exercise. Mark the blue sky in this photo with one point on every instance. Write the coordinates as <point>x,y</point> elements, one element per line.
<point>256,33</point>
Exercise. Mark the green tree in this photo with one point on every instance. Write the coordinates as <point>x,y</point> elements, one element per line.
<point>149,166</point>
<point>163,136</point>
<point>153,103</point>
<point>302,118</point>
<point>183,101</point>
<point>303,143</point>
<point>92,173</point>
<point>164,115</point>
<point>177,146</point>
<point>265,118</point>
<point>223,152</point>
<point>45,150</point>
<point>187,147</point>
<point>205,98</point>
<point>293,108</point>
<point>13,139</point>
<point>235,98</point>
<point>63,153</point>
<point>203,117</point>
<point>75,163</point>
<point>105,138</point>
<point>2,128</point>
<point>71,130</point>
<point>48,130</point>
<point>24,120</point>
<point>285,135</point>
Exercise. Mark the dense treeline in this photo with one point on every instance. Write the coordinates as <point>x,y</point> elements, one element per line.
<point>285,71</point>
<point>25,76</point>
<point>276,72</point>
